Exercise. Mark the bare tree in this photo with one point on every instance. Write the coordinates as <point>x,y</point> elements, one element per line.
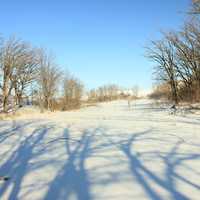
<point>73,91</point>
<point>187,45</point>
<point>163,53</point>
<point>11,53</point>
<point>135,91</point>
<point>178,59</point>
<point>92,95</point>
<point>196,7</point>
<point>25,73</point>
<point>107,92</point>
<point>22,67</point>
<point>112,91</point>
<point>48,80</point>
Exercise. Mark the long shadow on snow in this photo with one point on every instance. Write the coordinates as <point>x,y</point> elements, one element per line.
<point>142,172</point>
<point>5,134</point>
<point>173,160</point>
<point>72,178</point>
<point>17,165</point>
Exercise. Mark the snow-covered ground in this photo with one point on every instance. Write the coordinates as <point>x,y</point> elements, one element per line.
<point>103,152</point>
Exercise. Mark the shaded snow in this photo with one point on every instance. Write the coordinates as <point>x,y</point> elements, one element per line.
<point>102,152</point>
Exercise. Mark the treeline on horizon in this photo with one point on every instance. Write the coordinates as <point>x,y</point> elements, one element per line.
<point>30,75</point>
<point>177,59</point>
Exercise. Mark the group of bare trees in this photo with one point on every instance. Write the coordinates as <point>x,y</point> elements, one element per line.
<point>108,92</point>
<point>26,71</point>
<point>73,92</point>
<point>177,58</point>
<point>48,80</point>
<point>29,74</point>
<point>18,69</point>
<point>112,92</point>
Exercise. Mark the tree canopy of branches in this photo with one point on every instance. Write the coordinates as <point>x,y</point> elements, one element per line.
<point>107,92</point>
<point>26,70</point>
<point>178,61</point>
<point>196,7</point>
<point>73,92</point>
<point>18,68</point>
<point>177,58</point>
<point>162,52</point>
<point>48,79</point>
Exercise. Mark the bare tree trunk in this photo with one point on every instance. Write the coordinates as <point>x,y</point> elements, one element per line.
<point>5,92</point>
<point>174,92</point>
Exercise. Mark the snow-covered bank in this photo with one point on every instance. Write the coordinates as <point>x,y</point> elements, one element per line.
<point>103,152</point>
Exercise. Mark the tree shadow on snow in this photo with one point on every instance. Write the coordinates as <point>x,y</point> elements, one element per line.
<point>5,134</point>
<point>147,178</point>
<point>17,165</point>
<point>72,179</point>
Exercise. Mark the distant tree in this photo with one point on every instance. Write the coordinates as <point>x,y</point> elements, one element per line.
<point>92,95</point>
<point>160,91</point>
<point>106,92</point>
<point>112,91</point>
<point>135,91</point>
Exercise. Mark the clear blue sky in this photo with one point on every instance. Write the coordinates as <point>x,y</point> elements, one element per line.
<point>100,41</point>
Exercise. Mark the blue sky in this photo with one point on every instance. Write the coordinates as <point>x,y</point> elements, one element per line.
<point>99,41</point>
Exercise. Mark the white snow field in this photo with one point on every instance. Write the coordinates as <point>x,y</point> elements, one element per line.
<point>103,152</point>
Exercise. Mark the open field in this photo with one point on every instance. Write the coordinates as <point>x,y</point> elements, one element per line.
<point>103,152</point>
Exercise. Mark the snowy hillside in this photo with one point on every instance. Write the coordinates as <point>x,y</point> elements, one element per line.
<point>103,152</point>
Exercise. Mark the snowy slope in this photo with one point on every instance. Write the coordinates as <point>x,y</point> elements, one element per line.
<point>103,152</point>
